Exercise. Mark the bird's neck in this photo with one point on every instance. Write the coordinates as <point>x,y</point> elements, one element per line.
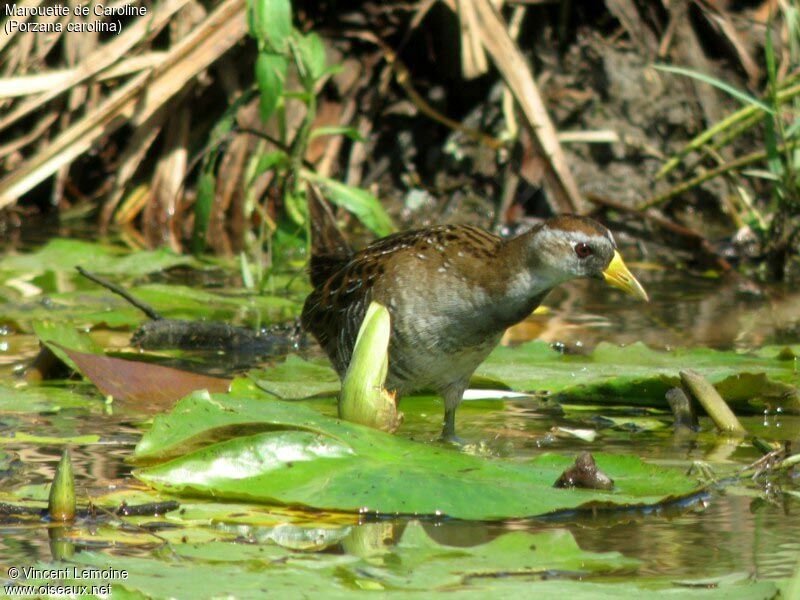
<point>520,286</point>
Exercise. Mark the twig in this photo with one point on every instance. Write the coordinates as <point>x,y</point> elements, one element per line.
<point>23,19</point>
<point>114,288</point>
<point>26,85</point>
<point>473,57</point>
<point>150,509</point>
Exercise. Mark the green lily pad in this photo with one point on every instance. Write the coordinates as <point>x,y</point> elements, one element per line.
<point>30,398</point>
<point>637,374</point>
<point>65,254</point>
<point>634,375</point>
<point>284,453</point>
<point>415,564</point>
<point>25,438</point>
<point>418,562</point>
<point>99,307</point>
<point>296,378</point>
<point>511,565</point>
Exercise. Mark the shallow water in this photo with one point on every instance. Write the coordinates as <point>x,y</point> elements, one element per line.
<point>740,528</point>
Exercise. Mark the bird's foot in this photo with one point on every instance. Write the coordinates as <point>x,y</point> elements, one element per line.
<point>451,439</point>
<point>703,471</point>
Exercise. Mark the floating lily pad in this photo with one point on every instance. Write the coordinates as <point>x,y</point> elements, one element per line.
<point>145,385</point>
<point>30,398</point>
<point>91,307</point>
<point>511,565</point>
<point>297,378</point>
<point>65,254</point>
<point>415,564</point>
<point>418,562</point>
<point>634,375</point>
<point>285,453</point>
<point>637,374</point>
<point>25,438</point>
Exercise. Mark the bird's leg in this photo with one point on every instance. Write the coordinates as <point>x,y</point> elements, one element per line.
<point>452,398</point>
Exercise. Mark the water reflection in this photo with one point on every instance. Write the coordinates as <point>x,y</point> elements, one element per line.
<point>683,311</point>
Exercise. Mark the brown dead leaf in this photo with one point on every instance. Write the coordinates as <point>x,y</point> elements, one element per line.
<point>149,386</point>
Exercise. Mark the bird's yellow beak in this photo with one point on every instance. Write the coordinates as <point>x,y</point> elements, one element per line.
<point>618,276</point>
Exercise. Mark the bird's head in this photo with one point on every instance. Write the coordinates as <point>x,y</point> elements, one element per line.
<point>569,247</point>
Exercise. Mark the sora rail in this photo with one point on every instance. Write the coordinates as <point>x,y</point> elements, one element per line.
<point>451,292</point>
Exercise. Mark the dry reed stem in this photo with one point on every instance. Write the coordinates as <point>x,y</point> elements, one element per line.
<point>517,75</point>
<point>26,85</point>
<point>25,4</point>
<point>100,59</point>
<point>137,100</point>
<point>473,58</point>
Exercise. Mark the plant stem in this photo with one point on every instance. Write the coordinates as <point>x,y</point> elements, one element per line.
<point>708,397</point>
<point>685,186</point>
<point>739,121</point>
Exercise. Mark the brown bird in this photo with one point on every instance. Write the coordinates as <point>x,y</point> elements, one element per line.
<point>451,292</point>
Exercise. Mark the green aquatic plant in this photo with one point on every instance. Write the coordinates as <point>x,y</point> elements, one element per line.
<point>61,503</point>
<point>284,54</point>
<point>775,117</point>
<point>363,398</point>
<point>242,446</point>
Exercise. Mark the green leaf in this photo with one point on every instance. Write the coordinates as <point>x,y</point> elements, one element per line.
<point>292,455</point>
<point>61,254</point>
<point>294,202</point>
<point>364,399</point>
<point>312,55</point>
<point>65,334</point>
<point>725,87</point>
<point>793,130</point>
<point>98,306</point>
<point>270,75</point>
<point>267,161</point>
<point>350,132</point>
<point>206,186</point>
<point>297,378</point>
<point>418,562</point>
<point>271,23</point>
<point>640,375</point>
<point>632,374</point>
<point>30,398</point>
<point>206,191</point>
<point>772,122</point>
<point>360,202</point>
<point>40,440</point>
<point>185,571</point>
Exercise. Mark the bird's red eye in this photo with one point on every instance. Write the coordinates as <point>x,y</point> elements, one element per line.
<point>582,249</point>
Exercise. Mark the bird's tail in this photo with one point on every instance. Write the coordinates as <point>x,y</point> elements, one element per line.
<point>329,249</point>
